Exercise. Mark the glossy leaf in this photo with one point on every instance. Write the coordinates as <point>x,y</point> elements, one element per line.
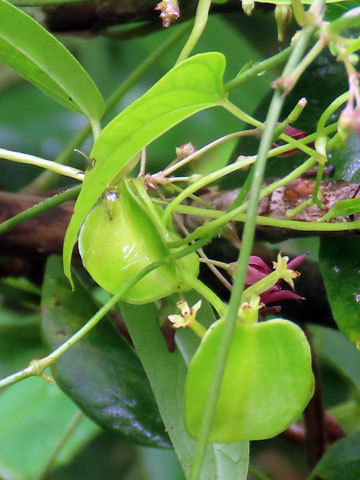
<point>343,208</point>
<point>42,60</point>
<point>340,267</point>
<point>167,372</point>
<point>347,160</point>
<point>34,416</point>
<point>267,384</point>
<point>101,373</point>
<point>191,86</point>
<point>341,460</point>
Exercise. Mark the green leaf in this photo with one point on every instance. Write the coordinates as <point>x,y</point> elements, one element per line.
<point>20,339</point>
<point>191,86</point>
<point>100,373</point>
<point>339,351</point>
<point>338,9</point>
<point>267,383</point>
<point>42,60</point>
<point>167,373</point>
<point>340,267</point>
<point>343,209</point>
<point>34,416</point>
<point>347,160</point>
<point>341,460</point>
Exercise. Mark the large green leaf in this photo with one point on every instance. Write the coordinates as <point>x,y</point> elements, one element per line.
<point>41,59</point>
<point>191,86</point>
<point>34,416</point>
<point>339,351</point>
<point>101,373</point>
<point>341,460</point>
<point>167,373</point>
<point>340,266</point>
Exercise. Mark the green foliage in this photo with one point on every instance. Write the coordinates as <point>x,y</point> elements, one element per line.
<point>341,460</point>
<point>193,85</point>
<point>340,267</point>
<point>36,55</point>
<point>108,382</point>
<point>343,208</point>
<point>34,415</point>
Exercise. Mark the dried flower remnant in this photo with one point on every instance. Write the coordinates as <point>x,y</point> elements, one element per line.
<point>170,12</point>
<point>185,150</point>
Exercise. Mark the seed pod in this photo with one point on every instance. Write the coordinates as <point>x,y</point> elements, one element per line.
<point>267,383</point>
<point>121,236</point>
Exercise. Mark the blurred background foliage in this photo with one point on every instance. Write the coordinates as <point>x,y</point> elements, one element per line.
<point>35,417</point>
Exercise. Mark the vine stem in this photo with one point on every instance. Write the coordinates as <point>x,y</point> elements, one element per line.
<point>230,215</point>
<point>258,68</point>
<point>243,133</point>
<point>61,443</point>
<point>37,367</point>
<point>210,296</point>
<point>201,17</point>
<point>247,242</point>
<point>42,163</point>
<point>41,207</point>
<point>48,179</point>
<point>297,225</point>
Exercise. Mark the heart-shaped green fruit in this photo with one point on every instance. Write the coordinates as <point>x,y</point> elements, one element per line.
<point>121,236</point>
<point>268,381</point>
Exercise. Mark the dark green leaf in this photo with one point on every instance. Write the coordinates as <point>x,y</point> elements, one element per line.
<point>340,266</point>
<point>34,416</point>
<point>347,160</point>
<point>343,208</point>
<point>42,60</point>
<point>101,373</point>
<point>339,351</point>
<point>191,86</point>
<point>341,460</point>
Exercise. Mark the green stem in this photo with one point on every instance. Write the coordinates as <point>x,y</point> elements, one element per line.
<point>260,67</point>
<point>41,207</point>
<point>202,182</point>
<point>300,226</point>
<point>210,296</point>
<point>232,214</point>
<point>47,180</point>
<point>36,367</point>
<point>201,17</point>
<point>42,163</point>
<point>209,146</point>
<point>61,443</point>
<point>247,242</point>
<point>198,329</point>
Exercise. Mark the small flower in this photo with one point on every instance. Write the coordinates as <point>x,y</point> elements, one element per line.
<point>187,316</point>
<point>281,266</point>
<point>258,269</point>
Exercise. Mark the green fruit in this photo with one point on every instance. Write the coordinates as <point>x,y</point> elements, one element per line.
<point>121,236</point>
<point>268,381</point>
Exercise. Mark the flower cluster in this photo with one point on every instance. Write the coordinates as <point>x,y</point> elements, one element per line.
<point>258,270</point>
